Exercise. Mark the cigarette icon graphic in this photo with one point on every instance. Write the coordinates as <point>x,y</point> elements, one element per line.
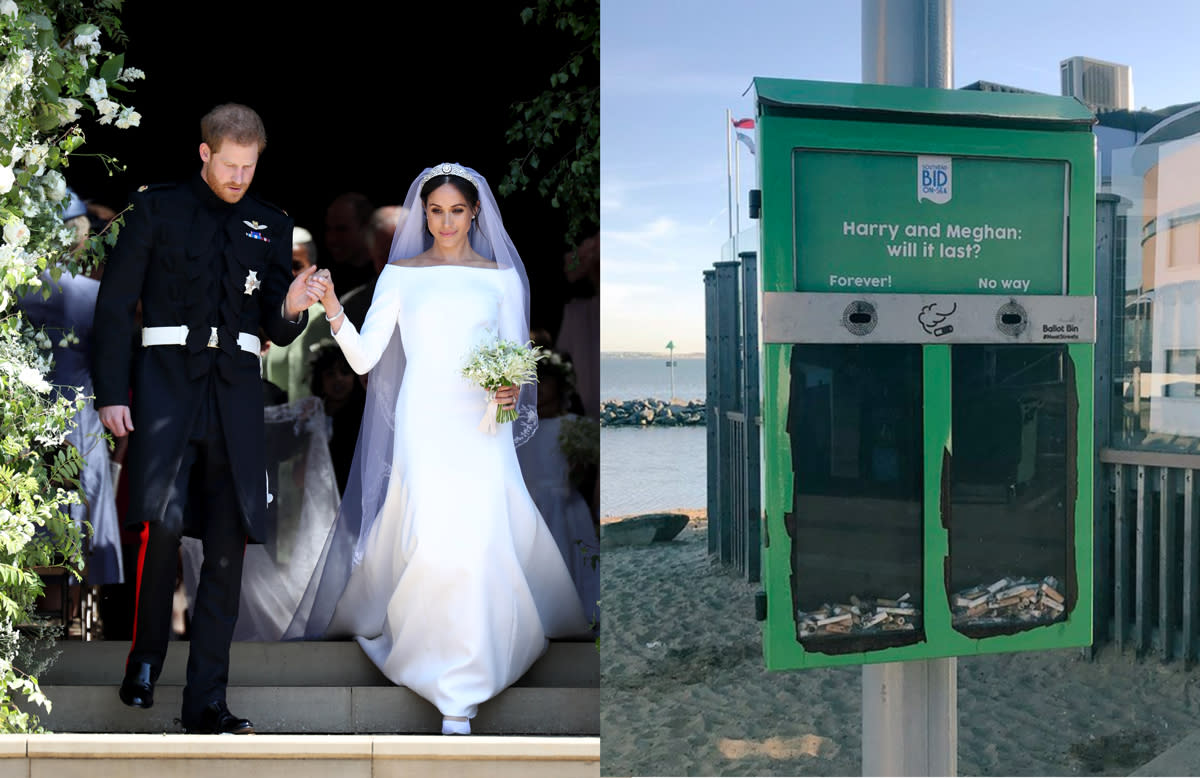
<point>944,330</point>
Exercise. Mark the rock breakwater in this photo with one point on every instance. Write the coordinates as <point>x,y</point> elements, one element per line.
<point>652,413</point>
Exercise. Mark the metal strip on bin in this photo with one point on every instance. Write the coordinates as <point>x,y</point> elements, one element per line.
<point>834,317</point>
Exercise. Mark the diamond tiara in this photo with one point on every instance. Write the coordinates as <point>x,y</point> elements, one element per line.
<point>449,169</point>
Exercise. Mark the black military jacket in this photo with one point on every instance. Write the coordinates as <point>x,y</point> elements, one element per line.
<point>192,259</point>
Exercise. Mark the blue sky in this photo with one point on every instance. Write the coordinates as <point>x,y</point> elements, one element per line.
<point>671,69</point>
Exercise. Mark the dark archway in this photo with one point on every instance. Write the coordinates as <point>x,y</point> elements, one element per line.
<point>355,96</point>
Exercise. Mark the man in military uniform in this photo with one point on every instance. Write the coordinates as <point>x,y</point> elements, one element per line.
<point>210,266</point>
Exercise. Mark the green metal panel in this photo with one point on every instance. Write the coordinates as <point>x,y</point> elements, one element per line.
<point>879,103</point>
<point>875,132</point>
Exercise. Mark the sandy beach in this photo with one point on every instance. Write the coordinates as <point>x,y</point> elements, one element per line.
<point>684,692</point>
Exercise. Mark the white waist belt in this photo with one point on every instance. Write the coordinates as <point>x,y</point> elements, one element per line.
<point>177,336</point>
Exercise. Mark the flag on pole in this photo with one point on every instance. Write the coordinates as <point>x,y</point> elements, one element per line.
<point>744,124</point>
<point>744,138</point>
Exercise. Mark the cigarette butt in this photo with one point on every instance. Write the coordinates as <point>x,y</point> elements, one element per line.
<point>977,609</point>
<point>873,620</point>
<point>902,597</point>
<point>1015,590</point>
<point>1004,603</point>
<point>839,627</point>
<point>1052,593</point>
<point>998,585</point>
<point>1053,604</point>
<point>909,611</point>
<point>834,619</point>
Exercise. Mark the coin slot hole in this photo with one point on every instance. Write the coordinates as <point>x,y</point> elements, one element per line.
<point>860,318</point>
<point>1010,318</point>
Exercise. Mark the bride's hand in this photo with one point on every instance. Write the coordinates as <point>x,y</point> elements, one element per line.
<point>506,396</point>
<point>329,296</point>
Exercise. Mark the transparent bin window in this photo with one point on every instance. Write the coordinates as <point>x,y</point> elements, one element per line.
<point>855,429</point>
<point>1012,488</point>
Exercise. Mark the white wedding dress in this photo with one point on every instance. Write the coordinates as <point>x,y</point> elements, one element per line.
<point>461,583</point>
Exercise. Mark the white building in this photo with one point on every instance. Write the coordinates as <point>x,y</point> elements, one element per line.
<point>1100,85</point>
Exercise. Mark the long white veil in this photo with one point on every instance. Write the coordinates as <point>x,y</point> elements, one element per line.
<point>370,471</point>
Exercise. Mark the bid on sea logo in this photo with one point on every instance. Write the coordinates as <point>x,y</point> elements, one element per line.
<point>935,179</point>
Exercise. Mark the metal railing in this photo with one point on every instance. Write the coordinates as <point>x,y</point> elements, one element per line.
<point>733,418</point>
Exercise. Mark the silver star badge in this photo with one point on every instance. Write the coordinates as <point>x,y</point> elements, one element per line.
<point>252,282</point>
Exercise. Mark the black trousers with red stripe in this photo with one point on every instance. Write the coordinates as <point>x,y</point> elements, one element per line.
<point>203,498</point>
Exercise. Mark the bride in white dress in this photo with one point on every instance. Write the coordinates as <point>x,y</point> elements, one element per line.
<point>455,584</point>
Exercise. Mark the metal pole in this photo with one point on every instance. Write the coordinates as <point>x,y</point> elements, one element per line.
<point>671,365</point>
<point>711,394</point>
<point>737,197</point>
<point>910,709</point>
<point>750,408</point>
<point>727,391</point>
<point>728,173</point>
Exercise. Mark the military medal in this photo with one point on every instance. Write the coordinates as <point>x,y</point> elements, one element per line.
<point>255,231</point>
<point>252,282</point>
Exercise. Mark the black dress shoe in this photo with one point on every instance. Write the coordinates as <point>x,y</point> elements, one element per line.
<point>137,690</point>
<point>216,719</point>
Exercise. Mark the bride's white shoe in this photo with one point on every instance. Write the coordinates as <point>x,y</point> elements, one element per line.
<point>456,727</point>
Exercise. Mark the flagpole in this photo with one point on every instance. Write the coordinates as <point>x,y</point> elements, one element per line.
<point>728,173</point>
<point>737,197</point>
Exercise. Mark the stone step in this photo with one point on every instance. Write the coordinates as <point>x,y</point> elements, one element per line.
<point>290,756</point>
<point>317,687</point>
<point>302,663</point>
<point>329,710</point>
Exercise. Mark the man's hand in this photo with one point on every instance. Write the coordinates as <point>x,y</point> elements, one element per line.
<point>506,397</point>
<point>306,288</point>
<point>116,419</point>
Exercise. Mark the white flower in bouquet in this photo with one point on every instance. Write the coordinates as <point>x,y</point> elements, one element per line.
<point>7,179</point>
<point>128,118</point>
<point>496,363</point>
<point>16,233</point>
<point>54,185</point>
<point>8,8</point>
<point>88,38</point>
<point>70,107</point>
<point>108,110</point>
<point>97,89</point>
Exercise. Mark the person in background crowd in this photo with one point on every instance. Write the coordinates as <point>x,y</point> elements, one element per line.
<point>290,366</point>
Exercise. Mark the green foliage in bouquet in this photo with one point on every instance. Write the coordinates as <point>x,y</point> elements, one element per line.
<point>498,362</point>
<point>54,74</point>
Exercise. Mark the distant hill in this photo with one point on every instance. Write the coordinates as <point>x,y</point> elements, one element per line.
<point>648,355</point>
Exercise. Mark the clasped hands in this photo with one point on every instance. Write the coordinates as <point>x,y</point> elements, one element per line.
<point>309,286</point>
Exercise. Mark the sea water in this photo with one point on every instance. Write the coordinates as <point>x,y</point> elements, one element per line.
<point>647,469</point>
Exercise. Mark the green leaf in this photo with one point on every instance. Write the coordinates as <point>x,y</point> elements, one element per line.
<point>40,22</point>
<point>86,29</point>
<point>112,68</point>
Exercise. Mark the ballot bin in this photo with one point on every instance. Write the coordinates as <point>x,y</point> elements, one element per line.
<point>928,328</point>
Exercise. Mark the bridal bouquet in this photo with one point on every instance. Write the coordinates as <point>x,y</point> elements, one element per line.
<point>498,363</point>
